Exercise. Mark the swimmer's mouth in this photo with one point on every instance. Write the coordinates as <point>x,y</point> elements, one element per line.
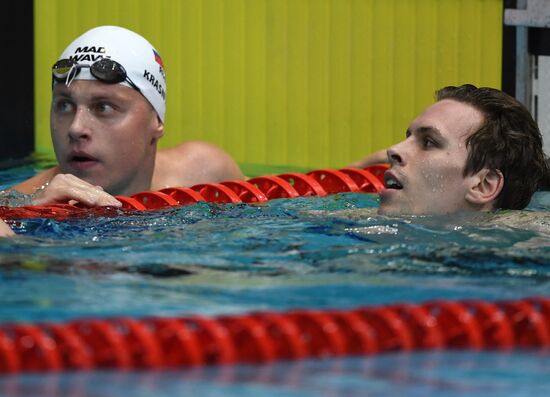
<point>81,158</point>
<point>391,182</point>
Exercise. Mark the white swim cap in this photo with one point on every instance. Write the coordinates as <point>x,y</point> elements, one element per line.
<point>142,62</point>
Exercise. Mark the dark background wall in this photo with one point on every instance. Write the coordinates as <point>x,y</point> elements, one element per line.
<point>509,54</point>
<point>538,44</point>
<point>17,81</point>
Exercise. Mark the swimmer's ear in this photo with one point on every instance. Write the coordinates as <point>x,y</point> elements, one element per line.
<point>158,129</point>
<point>485,187</point>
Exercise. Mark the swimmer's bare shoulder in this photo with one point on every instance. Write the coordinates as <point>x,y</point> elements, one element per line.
<point>537,221</point>
<point>191,163</point>
<point>533,221</point>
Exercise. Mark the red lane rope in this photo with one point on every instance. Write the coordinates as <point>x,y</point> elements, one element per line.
<point>265,337</point>
<point>255,190</point>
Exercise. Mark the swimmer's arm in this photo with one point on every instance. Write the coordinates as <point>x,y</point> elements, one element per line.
<point>191,163</point>
<point>51,187</point>
<point>378,157</point>
<point>5,230</point>
<point>30,185</point>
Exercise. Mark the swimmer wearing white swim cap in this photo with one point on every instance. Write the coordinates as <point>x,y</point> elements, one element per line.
<point>112,52</point>
<point>107,115</point>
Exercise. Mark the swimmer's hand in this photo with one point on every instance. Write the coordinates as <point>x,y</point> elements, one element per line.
<point>5,230</point>
<point>66,187</point>
<point>378,157</point>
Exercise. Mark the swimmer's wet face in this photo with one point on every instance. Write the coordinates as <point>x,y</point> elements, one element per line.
<point>103,133</point>
<point>427,168</point>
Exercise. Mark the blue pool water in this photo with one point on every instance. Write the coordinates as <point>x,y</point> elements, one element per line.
<point>301,253</point>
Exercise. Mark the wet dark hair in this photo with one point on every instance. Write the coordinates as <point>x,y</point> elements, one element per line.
<point>508,140</point>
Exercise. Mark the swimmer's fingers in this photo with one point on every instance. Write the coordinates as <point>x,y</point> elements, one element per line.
<point>378,157</point>
<point>5,230</point>
<point>66,187</point>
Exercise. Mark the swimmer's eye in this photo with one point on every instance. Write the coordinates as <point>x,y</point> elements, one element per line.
<point>63,106</point>
<point>428,143</point>
<point>104,107</point>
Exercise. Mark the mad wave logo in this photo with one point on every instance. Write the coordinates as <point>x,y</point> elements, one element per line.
<point>85,49</point>
<point>155,83</point>
<point>90,54</point>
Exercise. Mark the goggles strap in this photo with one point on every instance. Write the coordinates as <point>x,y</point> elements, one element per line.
<point>71,75</point>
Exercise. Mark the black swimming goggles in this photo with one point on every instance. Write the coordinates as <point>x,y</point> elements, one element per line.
<point>105,70</point>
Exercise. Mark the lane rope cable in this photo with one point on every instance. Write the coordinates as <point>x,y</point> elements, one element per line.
<point>255,190</point>
<point>262,337</point>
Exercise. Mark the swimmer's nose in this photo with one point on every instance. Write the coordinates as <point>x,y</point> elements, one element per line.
<point>394,157</point>
<point>80,125</point>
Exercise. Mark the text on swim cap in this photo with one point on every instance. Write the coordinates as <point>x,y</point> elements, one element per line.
<point>85,56</point>
<point>154,82</point>
<point>100,50</point>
